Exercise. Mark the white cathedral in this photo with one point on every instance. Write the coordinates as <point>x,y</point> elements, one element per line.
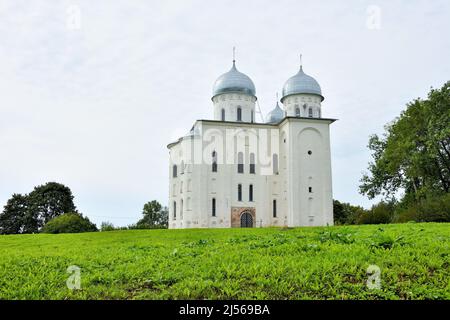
<point>233,171</point>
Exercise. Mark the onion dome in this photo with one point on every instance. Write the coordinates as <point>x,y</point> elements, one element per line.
<point>301,83</point>
<point>276,115</point>
<point>234,81</point>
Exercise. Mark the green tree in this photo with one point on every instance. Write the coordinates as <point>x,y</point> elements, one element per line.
<point>345,213</point>
<point>28,213</point>
<point>414,153</point>
<point>69,223</point>
<point>48,201</point>
<point>155,216</point>
<point>13,217</point>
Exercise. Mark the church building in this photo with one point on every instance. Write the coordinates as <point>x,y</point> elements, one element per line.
<point>233,171</point>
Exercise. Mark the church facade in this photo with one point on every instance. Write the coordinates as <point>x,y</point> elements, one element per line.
<point>232,171</point>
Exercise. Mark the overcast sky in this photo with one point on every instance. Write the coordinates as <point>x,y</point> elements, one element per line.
<point>91,92</point>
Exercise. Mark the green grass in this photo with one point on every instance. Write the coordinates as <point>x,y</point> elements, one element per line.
<point>300,263</point>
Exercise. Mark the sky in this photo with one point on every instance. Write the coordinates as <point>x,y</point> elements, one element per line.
<point>91,92</point>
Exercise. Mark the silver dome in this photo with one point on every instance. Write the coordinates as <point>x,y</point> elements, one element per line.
<point>276,115</point>
<point>301,83</point>
<point>234,81</point>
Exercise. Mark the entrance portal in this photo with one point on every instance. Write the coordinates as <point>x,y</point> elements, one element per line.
<point>246,220</point>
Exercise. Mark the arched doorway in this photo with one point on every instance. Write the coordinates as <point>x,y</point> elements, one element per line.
<point>246,220</point>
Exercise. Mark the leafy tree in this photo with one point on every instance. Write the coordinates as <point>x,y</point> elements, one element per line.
<point>414,153</point>
<point>107,226</point>
<point>13,217</point>
<point>49,201</point>
<point>155,216</point>
<point>28,213</point>
<point>345,213</point>
<point>69,223</point>
<point>380,213</point>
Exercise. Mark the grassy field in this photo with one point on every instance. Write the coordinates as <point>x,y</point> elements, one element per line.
<point>300,263</point>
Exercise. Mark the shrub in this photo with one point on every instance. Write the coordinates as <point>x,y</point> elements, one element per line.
<point>107,226</point>
<point>380,213</point>
<point>432,208</point>
<point>69,223</point>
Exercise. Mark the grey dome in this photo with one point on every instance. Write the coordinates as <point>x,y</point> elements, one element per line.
<point>234,81</point>
<point>301,83</point>
<point>276,115</point>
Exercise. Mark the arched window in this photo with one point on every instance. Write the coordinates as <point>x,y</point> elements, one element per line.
<point>274,208</point>
<point>181,187</point>
<point>239,114</point>
<point>182,167</point>
<point>222,114</point>
<point>239,192</point>
<point>240,162</point>
<point>174,171</point>
<point>250,192</point>
<point>188,204</point>
<point>252,116</point>
<point>213,207</point>
<point>174,210</point>
<point>275,163</point>
<point>297,111</point>
<point>181,210</point>
<point>214,161</point>
<point>320,113</point>
<point>310,112</point>
<point>252,163</point>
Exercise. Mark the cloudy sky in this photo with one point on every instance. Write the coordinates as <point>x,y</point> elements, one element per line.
<point>91,92</point>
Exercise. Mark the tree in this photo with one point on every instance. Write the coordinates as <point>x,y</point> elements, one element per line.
<point>155,216</point>
<point>49,201</point>
<point>28,213</point>
<point>414,153</point>
<point>69,223</point>
<point>13,217</point>
<point>345,213</point>
<point>380,213</point>
<point>107,226</point>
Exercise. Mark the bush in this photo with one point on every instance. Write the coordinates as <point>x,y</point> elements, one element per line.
<point>107,226</point>
<point>380,213</point>
<point>433,208</point>
<point>69,223</point>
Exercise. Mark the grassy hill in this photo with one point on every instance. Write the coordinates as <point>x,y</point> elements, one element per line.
<point>300,263</point>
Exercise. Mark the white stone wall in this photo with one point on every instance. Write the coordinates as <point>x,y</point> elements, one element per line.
<point>303,102</point>
<point>230,102</point>
<point>196,185</point>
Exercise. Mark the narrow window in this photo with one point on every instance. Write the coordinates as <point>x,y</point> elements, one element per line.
<point>213,207</point>
<point>250,193</point>
<point>239,192</point>
<point>214,161</point>
<point>252,163</point>
<point>310,189</point>
<point>239,114</point>
<point>252,115</point>
<point>182,167</point>
<point>174,210</point>
<point>240,162</point>
<point>310,112</point>
<point>174,171</point>
<point>222,114</point>
<point>274,208</point>
<point>297,112</point>
<point>275,163</point>
<point>181,210</point>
